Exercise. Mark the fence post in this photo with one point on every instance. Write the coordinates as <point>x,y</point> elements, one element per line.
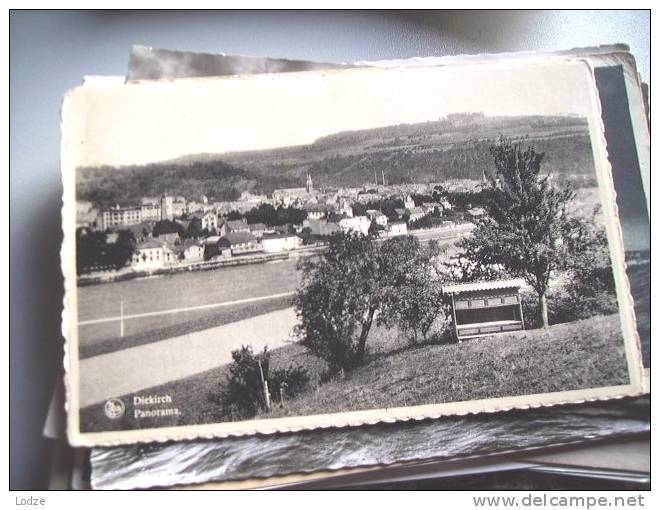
<point>121,316</point>
<point>264,386</point>
<point>282,390</point>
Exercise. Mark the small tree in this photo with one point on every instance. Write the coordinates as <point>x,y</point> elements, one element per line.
<point>411,293</point>
<point>242,394</point>
<point>91,248</point>
<point>123,249</point>
<point>375,229</point>
<point>337,300</point>
<point>359,209</point>
<point>592,290</point>
<point>195,229</point>
<point>168,227</point>
<point>525,221</point>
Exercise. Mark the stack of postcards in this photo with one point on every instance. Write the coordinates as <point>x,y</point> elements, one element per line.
<point>295,274</point>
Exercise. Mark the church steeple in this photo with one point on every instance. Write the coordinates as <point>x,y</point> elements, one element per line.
<point>309,186</point>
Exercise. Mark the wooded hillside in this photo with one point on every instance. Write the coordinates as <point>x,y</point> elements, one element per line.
<point>456,147</point>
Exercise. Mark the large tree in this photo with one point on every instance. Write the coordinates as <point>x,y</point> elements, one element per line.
<point>93,251</point>
<point>526,220</point>
<point>411,297</point>
<point>589,267</point>
<point>338,298</point>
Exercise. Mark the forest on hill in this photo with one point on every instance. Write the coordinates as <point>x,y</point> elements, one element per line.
<point>456,147</point>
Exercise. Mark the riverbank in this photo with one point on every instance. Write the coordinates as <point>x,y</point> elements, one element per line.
<point>424,235</point>
<point>243,260</point>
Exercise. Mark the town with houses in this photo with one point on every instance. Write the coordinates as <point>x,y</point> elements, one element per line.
<point>170,231</point>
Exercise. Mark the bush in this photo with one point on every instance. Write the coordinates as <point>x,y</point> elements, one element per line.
<point>530,310</point>
<point>568,305</point>
<point>242,397</point>
<point>577,304</point>
<point>445,334</point>
<point>286,383</point>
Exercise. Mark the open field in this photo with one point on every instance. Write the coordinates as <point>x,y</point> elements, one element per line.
<point>583,354</point>
<point>578,355</point>
<point>181,290</point>
<point>161,327</point>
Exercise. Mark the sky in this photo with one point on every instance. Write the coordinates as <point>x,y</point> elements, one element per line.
<point>138,123</point>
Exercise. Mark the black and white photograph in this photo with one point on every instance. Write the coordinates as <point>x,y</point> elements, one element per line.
<point>330,248</point>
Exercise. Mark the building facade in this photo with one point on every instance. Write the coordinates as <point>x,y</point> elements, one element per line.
<point>152,254</point>
<point>257,229</point>
<point>359,224</point>
<point>166,208</point>
<point>240,243</point>
<point>150,207</point>
<point>237,225</point>
<point>209,221</point>
<point>193,252</point>
<point>416,213</point>
<point>378,217</point>
<point>397,228</point>
<point>273,243</point>
<point>120,217</point>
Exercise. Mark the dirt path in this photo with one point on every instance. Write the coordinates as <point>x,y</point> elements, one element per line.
<point>145,366</point>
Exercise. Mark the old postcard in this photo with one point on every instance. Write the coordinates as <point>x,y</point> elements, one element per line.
<point>124,466</point>
<point>284,252</point>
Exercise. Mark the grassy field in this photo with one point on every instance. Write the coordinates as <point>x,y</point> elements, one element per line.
<point>153,329</point>
<point>583,354</point>
<point>181,290</point>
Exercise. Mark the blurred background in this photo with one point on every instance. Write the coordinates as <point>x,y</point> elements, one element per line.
<point>50,52</point>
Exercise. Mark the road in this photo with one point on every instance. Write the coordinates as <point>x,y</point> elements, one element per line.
<point>138,368</point>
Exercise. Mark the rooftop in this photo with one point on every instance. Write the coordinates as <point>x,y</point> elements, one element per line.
<point>237,223</point>
<point>240,237</point>
<point>277,236</point>
<point>211,240</point>
<point>188,243</point>
<point>150,243</point>
<point>457,288</point>
<point>200,214</point>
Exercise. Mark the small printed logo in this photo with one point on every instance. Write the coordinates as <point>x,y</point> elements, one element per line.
<point>114,408</point>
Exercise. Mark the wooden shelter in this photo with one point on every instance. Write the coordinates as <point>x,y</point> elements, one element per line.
<point>485,308</point>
